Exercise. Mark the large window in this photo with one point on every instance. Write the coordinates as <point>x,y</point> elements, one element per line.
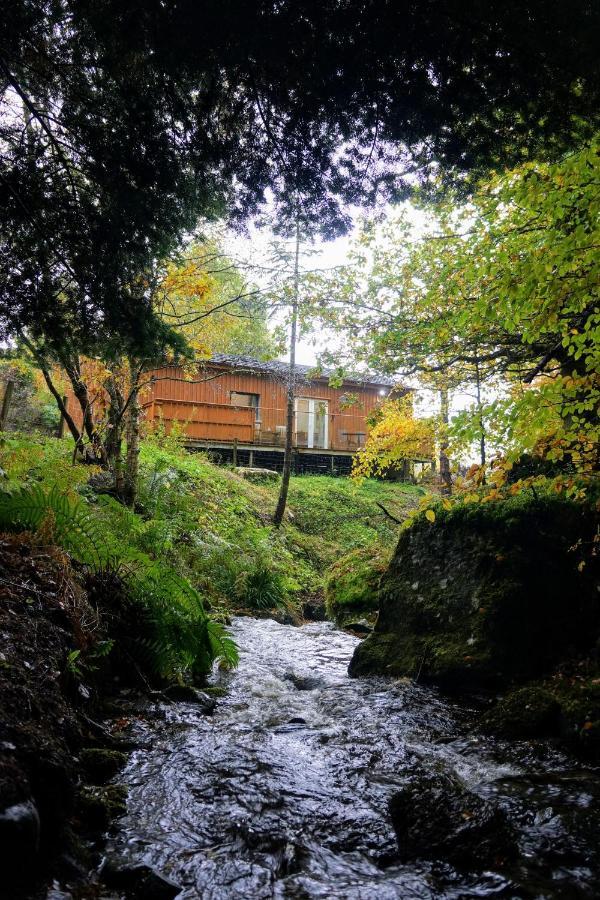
<point>241,399</point>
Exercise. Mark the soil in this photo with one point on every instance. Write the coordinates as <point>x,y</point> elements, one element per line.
<point>48,712</point>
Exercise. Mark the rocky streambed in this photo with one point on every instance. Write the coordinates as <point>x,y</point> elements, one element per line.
<point>305,783</point>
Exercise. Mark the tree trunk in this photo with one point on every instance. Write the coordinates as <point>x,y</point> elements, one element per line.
<point>132,435</point>
<point>113,443</point>
<point>72,368</point>
<point>289,429</point>
<point>445,476</point>
<point>45,370</point>
<point>480,414</point>
<point>6,401</point>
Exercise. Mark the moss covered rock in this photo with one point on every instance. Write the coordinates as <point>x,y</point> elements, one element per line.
<point>487,595</point>
<point>528,712</point>
<point>352,584</point>
<point>565,706</point>
<point>99,764</point>
<point>98,806</point>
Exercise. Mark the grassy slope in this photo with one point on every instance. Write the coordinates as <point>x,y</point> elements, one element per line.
<point>213,526</point>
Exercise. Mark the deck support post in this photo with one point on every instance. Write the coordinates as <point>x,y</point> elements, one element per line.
<point>235,445</point>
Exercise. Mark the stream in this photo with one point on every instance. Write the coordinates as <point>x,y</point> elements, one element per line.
<point>284,790</point>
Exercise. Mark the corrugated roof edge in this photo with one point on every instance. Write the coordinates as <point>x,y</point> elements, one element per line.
<point>277,367</point>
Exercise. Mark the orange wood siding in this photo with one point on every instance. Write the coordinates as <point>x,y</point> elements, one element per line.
<point>205,409</point>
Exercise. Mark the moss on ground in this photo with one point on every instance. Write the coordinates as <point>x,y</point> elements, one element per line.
<point>352,584</point>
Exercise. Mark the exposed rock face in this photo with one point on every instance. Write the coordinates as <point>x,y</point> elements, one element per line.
<point>436,817</point>
<point>487,595</point>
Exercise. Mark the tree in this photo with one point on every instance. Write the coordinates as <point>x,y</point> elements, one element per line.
<point>395,438</point>
<point>206,297</point>
<point>289,426</point>
<point>118,130</point>
<point>505,288</point>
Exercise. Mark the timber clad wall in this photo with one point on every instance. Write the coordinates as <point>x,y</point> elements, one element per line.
<point>208,413</point>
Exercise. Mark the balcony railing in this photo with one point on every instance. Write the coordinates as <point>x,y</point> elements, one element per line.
<point>226,424</point>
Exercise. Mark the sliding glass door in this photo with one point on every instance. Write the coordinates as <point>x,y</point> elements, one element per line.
<point>312,423</point>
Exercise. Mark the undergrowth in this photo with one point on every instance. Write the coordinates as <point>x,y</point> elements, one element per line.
<point>211,529</point>
<point>172,633</point>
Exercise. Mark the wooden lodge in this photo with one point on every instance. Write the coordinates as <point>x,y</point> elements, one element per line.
<point>236,409</point>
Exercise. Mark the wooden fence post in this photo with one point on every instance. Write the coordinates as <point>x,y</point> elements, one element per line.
<point>61,424</point>
<point>8,392</point>
<point>235,443</point>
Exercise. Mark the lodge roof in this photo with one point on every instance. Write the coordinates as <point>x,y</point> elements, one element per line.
<point>279,368</point>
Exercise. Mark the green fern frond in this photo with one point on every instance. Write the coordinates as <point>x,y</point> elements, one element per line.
<point>223,647</point>
<point>69,521</point>
<point>175,634</point>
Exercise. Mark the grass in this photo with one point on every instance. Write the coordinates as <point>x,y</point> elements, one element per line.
<point>213,527</point>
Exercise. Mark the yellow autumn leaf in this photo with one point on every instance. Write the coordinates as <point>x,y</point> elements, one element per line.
<point>430,515</point>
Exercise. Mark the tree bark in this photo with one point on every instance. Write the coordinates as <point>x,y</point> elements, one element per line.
<point>289,429</point>
<point>132,434</point>
<point>73,370</point>
<point>482,434</point>
<point>445,476</point>
<point>113,443</point>
<point>45,370</point>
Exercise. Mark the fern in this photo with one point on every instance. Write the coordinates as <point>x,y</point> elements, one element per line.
<point>182,637</point>
<point>67,522</point>
<point>174,633</point>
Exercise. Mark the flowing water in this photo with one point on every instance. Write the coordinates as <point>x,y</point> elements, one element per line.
<point>283,792</point>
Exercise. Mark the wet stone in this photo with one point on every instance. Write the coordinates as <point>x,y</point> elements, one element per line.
<point>314,610</point>
<point>141,881</point>
<point>303,683</point>
<point>436,817</point>
<point>361,627</point>
<point>19,837</point>
<point>185,693</point>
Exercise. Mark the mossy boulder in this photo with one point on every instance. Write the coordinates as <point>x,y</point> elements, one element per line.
<point>528,712</point>
<point>352,584</point>
<point>565,706</point>
<point>487,595</point>
<point>96,807</point>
